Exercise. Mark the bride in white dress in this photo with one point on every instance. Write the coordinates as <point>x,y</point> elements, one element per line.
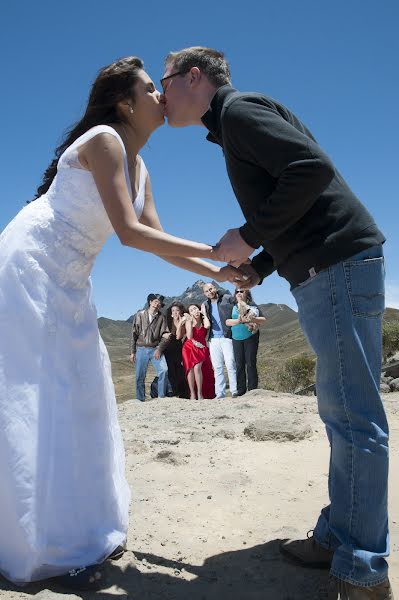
<point>64,497</point>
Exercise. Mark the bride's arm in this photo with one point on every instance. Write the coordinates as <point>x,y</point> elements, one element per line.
<point>103,155</point>
<point>196,265</point>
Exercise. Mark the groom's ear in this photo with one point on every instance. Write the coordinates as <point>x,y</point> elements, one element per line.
<point>195,76</point>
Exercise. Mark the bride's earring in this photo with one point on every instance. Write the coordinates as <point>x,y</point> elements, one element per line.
<point>131,110</point>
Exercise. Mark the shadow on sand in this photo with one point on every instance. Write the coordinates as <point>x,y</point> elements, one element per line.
<point>256,573</point>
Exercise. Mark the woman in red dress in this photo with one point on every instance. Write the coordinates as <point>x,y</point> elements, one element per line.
<point>196,357</point>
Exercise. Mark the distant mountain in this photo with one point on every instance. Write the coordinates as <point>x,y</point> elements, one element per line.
<point>192,295</point>
<point>281,338</point>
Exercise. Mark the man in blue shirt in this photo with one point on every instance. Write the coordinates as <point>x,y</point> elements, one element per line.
<point>218,308</point>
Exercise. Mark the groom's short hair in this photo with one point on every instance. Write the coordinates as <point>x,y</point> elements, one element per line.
<point>211,62</point>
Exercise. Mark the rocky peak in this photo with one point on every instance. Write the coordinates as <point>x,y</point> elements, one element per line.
<point>191,295</point>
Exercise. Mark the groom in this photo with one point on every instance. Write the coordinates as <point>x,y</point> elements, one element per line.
<point>315,232</point>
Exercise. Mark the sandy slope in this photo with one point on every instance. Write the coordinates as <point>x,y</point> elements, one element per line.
<point>210,505</point>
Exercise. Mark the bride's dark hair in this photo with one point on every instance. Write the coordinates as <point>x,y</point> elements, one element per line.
<point>113,84</point>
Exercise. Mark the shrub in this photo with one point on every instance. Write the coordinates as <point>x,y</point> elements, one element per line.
<point>297,373</point>
<point>268,371</point>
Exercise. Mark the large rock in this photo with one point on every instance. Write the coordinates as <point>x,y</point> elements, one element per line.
<point>384,388</point>
<point>391,370</point>
<point>278,430</point>
<point>394,385</point>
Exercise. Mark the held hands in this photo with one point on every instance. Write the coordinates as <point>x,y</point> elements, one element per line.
<point>247,277</point>
<point>229,273</point>
<point>244,277</point>
<point>232,249</point>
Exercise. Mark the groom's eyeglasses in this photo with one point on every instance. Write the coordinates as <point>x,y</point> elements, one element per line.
<point>165,87</point>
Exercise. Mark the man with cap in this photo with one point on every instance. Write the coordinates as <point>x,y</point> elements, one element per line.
<point>150,335</point>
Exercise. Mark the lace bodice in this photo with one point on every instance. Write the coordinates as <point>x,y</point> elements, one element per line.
<point>74,195</point>
<point>70,160</point>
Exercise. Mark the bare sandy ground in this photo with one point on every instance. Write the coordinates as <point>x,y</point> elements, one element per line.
<point>210,505</point>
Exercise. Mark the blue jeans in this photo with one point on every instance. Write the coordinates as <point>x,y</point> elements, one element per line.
<point>340,311</point>
<point>143,358</point>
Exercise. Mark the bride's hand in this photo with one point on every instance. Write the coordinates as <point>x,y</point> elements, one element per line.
<point>231,274</point>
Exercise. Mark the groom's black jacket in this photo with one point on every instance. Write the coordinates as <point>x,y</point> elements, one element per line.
<point>296,204</point>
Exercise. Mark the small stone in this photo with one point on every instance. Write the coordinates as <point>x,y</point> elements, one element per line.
<point>169,457</point>
<point>226,433</point>
<point>385,388</point>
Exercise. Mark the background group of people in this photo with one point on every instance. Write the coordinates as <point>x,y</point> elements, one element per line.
<point>189,347</point>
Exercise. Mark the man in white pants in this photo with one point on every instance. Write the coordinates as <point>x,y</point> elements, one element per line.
<point>218,308</point>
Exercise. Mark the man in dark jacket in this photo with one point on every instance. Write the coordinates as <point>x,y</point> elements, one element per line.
<point>150,335</point>
<point>218,308</point>
<point>316,233</point>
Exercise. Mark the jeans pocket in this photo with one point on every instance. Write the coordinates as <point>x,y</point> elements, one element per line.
<point>303,284</point>
<point>365,284</point>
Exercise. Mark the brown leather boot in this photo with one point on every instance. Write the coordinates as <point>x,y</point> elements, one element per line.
<point>342,590</point>
<point>307,553</point>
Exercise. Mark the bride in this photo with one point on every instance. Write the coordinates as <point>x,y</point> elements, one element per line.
<point>64,501</point>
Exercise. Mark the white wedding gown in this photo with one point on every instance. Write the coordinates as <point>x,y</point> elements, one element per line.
<point>64,498</point>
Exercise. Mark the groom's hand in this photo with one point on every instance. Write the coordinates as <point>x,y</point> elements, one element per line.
<point>231,274</point>
<point>228,273</point>
<point>248,277</point>
<point>232,249</point>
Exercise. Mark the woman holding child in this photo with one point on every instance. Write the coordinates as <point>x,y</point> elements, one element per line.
<point>244,323</point>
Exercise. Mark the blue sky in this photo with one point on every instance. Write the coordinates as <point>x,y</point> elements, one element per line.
<point>334,64</point>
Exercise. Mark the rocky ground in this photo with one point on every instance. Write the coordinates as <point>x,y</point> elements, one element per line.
<point>216,485</point>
